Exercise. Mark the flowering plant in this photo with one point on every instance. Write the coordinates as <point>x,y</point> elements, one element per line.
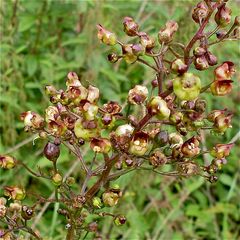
<point>123,142</point>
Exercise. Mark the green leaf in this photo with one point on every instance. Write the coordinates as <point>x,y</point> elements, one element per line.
<point>26,22</point>
<point>32,64</point>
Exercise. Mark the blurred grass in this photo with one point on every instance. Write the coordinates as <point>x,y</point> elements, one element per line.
<point>43,40</point>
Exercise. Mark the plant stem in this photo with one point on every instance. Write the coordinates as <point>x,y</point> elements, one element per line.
<point>103,178</point>
<point>198,35</point>
<point>147,64</point>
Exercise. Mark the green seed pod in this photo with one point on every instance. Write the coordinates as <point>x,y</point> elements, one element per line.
<point>187,86</point>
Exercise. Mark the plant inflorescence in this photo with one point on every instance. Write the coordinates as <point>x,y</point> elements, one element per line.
<point>124,142</point>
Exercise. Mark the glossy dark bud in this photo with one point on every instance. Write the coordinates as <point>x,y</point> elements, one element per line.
<point>201,63</point>
<point>154,83</point>
<point>27,212</point>
<point>211,59</point>
<point>161,138</point>
<point>51,151</point>
<point>113,57</point>
<point>130,27</point>
<point>220,34</point>
<point>120,220</point>
<point>199,51</point>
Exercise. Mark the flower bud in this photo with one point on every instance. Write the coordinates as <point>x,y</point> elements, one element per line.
<point>100,145</point>
<point>158,107</point>
<point>73,80</point>
<point>189,168</point>
<point>97,202</point>
<point>92,227</point>
<point>27,212</point>
<point>237,21</point>
<point>7,162</point>
<point>15,193</point>
<point>3,210</point>
<point>93,94</point>
<point>128,54</point>
<point>113,57</point>
<point>224,71</point>
<point>139,144</point>
<point>110,199</point>
<point>146,41</point>
<point>138,49</point>
<point>190,148</point>
<point>175,140</point>
<point>112,107</point>
<point>161,139</point>
<point>138,94</point>
<point>201,63</point>
<point>105,36</point>
<point>57,179</point>
<point>178,66</point>
<point>176,117</point>
<point>211,59</point>
<point>108,120</point>
<point>154,83</point>
<point>15,207</point>
<point>157,158</point>
<point>32,120</point>
<point>130,27</point>
<point>165,35</point>
<point>90,111</point>
<point>200,105</point>
<point>51,90</point>
<point>222,122</point>
<point>223,15</point>
<point>214,114</point>
<point>221,150</point>
<point>85,129</point>
<point>200,12</point>
<point>212,179</point>
<point>70,181</point>
<point>220,34</point>
<point>221,88</point>
<point>125,129</point>
<point>236,33</point>
<point>120,220</point>
<point>199,51</point>
<point>187,86</point>
<point>51,151</point>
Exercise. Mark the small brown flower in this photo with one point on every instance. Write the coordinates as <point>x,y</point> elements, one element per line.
<point>190,148</point>
<point>130,27</point>
<point>138,94</point>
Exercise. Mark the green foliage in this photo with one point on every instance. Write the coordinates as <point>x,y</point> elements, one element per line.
<point>41,42</point>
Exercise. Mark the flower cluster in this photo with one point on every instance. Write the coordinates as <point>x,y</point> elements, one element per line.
<point>167,131</point>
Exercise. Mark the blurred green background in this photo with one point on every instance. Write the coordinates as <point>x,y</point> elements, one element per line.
<point>41,41</point>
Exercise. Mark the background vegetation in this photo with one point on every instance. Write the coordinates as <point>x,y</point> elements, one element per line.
<point>41,41</point>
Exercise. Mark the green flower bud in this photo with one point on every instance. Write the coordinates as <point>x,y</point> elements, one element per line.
<point>83,131</point>
<point>57,179</point>
<point>120,220</point>
<point>176,117</point>
<point>105,36</point>
<point>158,107</point>
<point>70,181</point>
<point>97,202</point>
<point>110,199</point>
<point>113,57</point>
<point>128,54</point>
<point>175,140</point>
<point>187,86</point>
